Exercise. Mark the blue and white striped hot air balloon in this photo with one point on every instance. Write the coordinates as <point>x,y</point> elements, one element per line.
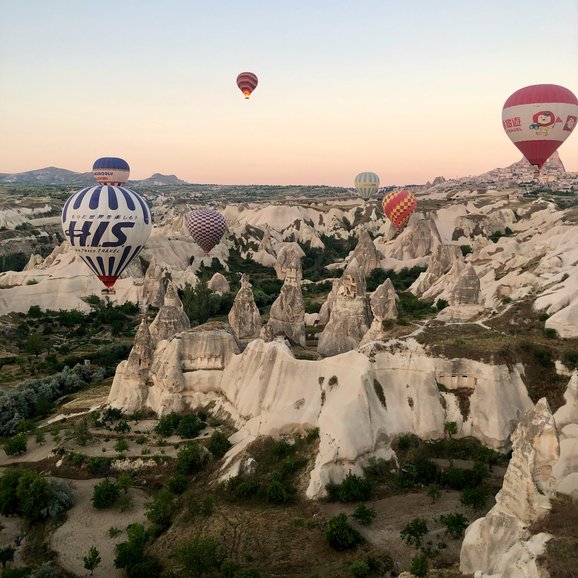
<point>107,227</point>
<point>111,171</point>
<point>366,184</point>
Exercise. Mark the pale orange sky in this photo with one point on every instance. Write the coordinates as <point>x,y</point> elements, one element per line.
<point>409,90</point>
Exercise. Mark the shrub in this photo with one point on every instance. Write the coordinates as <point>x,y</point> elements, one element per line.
<point>190,459</point>
<point>455,524</point>
<point>475,498</point>
<point>105,494</point>
<point>413,532</point>
<point>168,424</point>
<point>340,535</point>
<point>466,250</point>
<point>199,556</point>
<point>419,566</point>
<point>218,444</point>
<point>131,553</point>
<point>190,426</point>
<point>121,446</point>
<point>177,483</point>
<point>352,489</point>
<point>434,493</point>
<point>16,445</point>
<point>359,568</point>
<point>364,515</point>
<point>160,511</point>
<point>92,560</point>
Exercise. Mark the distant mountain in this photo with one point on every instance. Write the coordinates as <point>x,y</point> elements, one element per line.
<point>56,176</point>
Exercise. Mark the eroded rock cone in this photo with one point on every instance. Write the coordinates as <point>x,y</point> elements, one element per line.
<point>171,318</point>
<point>383,304</point>
<point>366,253</point>
<point>244,316</point>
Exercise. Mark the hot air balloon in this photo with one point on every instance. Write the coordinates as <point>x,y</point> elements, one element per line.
<point>111,171</point>
<point>107,227</point>
<point>399,206</point>
<point>206,228</point>
<point>247,82</point>
<point>538,119</point>
<point>366,184</point>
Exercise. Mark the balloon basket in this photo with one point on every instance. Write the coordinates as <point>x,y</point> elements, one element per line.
<point>108,291</point>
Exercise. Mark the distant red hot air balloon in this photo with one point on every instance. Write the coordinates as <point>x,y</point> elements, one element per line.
<point>399,207</point>
<point>247,82</point>
<point>538,119</point>
<point>206,228</point>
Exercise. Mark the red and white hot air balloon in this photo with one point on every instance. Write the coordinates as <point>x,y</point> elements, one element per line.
<point>206,228</point>
<point>399,207</point>
<point>538,119</point>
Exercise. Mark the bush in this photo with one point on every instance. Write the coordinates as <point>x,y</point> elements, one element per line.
<point>160,511</point>
<point>352,489</point>
<point>475,498</point>
<point>168,424</point>
<point>413,532</point>
<point>340,535</point>
<point>218,444</point>
<point>455,524</point>
<point>105,494</point>
<point>191,458</point>
<point>16,445</point>
<point>199,556</point>
<point>190,426</point>
<point>177,483</point>
<point>364,515</point>
<point>121,446</point>
<point>359,568</point>
<point>130,554</point>
<point>419,566</point>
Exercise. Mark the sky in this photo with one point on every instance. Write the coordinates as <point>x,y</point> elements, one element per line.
<point>409,89</point>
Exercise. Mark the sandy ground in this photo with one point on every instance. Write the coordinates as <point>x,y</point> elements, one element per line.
<point>36,452</point>
<point>395,512</point>
<point>85,527</point>
<point>11,528</point>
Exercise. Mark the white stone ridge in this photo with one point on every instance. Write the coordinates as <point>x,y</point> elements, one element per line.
<point>359,400</point>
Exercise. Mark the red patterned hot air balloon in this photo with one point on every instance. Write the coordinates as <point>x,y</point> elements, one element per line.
<point>206,228</point>
<point>538,119</point>
<point>247,82</point>
<point>399,207</point>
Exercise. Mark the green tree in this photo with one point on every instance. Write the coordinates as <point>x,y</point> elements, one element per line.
<point>121,446</point>
<point>34,495</point>
<point>419,566</point>
<point>413,532</point>
<point>434,493</point>
<point>105,494</point>
<point>35,344</point>
<point>475,498</point>
<point>7,555</point>
<point>455,524</point>
<point>197,302</point>
<point>161,510</point>
<point>340,535</point>
<point>16,445</point>
<point>218,444</point>
<point>190,458</point>
<point>92,560</point>
<point>200,556</point>
<point>131,552</point>
<point>364,515</point>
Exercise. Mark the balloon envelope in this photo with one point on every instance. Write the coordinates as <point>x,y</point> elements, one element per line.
<point>107,227</point>
<point>247,82</point>
<point>366,184</point>
<point>538,119</point>
<point>399,207</point>
<point>206,228</point>
<point>111,171</point>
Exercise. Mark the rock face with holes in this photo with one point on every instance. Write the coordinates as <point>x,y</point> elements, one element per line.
<point>287,314</point>
<point>244,315</point>
<point>289,257</point>
<point>442,260</point>
<point>366,253</point>
<point>501,544</point>
<point>350,317</point>
<point>171,318</point>
<point>384,308</point>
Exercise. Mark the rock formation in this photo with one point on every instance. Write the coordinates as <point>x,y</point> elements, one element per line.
<point>219,284</point>
<point>419,239</point>
<point>500,543</point>
<point>366,253</point>
<point>244,315</point>
<point>289,260</point>
<point>171,318</point>
<point>350,317</point>
<point>441,262</point>
<point>287,314</point>
<point>129,386</point>
<point>266,244</point>
<point>328,304</point>
<point>466,291</point>
<point>383,304</point>
<point>34,261</point>
<point>153,288</point>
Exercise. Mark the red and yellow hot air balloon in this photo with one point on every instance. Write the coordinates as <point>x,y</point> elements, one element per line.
<point>247,82</point>
<point>538,119</point>
<point>399,206</point>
